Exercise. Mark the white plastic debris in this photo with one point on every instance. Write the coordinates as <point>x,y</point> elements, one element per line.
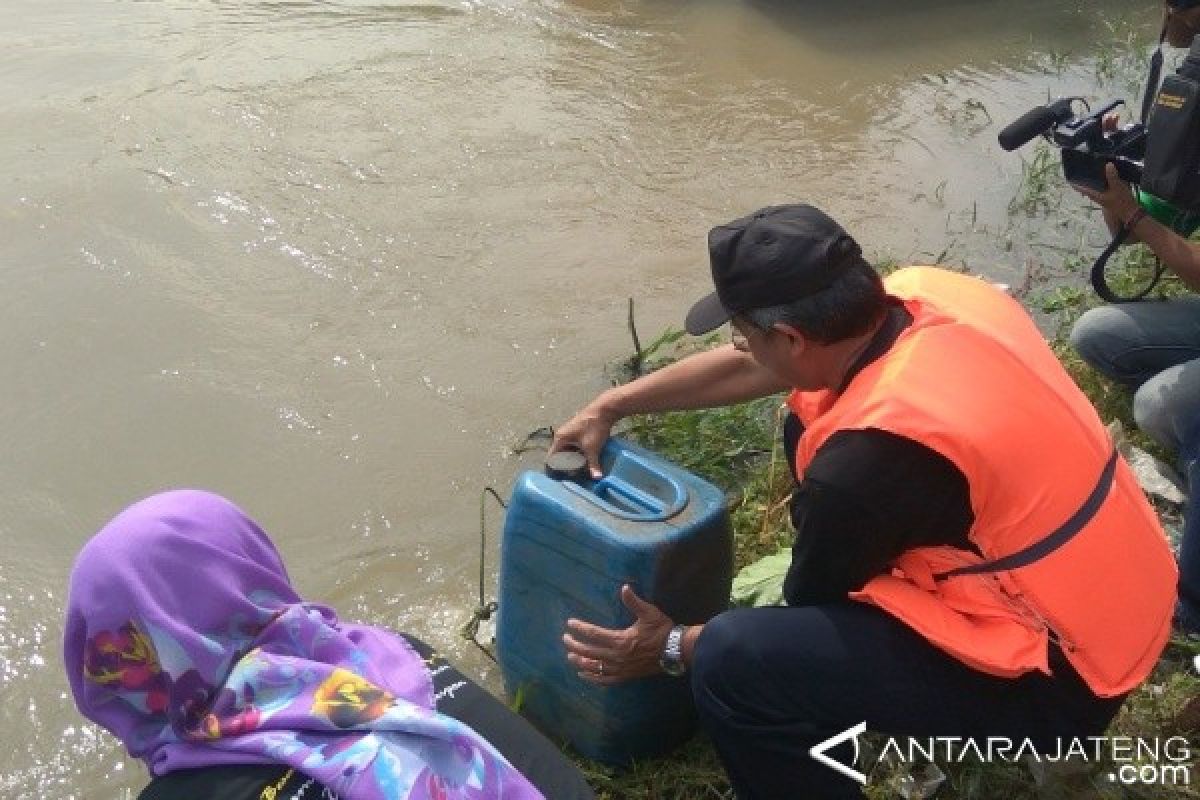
<point>920,782</point>
<point>1155,477</point>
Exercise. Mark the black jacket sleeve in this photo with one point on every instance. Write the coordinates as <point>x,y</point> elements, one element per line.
<point>867,497</point>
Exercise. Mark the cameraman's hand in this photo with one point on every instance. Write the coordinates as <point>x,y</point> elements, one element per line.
<point>587,432</point>
<point>1111,121</point>
<point>1117,200</point>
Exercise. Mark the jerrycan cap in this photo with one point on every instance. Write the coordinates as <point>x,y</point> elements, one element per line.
<point>567,465</point>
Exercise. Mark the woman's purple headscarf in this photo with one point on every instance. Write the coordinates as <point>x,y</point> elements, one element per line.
<point>185,639</point>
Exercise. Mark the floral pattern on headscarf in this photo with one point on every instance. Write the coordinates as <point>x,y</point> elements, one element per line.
<point>185,639</point>
<point>125,659</point>
<point>346,700</point>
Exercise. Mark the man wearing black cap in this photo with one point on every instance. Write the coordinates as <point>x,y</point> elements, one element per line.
<point>936,443</point>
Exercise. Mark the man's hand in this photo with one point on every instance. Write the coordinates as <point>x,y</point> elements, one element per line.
<point>1117,199</point>
<point>607,657</point>
<point>587,432</point>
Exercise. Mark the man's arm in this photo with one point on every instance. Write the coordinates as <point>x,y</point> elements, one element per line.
<point>718,377</point>
<point>1178,254</point>
<point>1119,207</point>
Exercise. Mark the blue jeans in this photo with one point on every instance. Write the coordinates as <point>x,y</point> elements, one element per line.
<point>1154,348</point>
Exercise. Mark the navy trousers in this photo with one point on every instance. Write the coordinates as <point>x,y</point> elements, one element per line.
<point>770,683</point>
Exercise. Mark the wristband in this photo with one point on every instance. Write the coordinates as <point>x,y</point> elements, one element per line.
<point>1134,219</point>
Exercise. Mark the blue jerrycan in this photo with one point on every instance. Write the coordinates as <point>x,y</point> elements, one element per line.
<point>568,547</point>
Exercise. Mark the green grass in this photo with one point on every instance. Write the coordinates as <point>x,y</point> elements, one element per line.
<point>1041,186</point>
<point>1121,58</point>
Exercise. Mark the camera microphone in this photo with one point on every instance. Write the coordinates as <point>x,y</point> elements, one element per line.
<point>1040,120</point>
<point>1027,126</point>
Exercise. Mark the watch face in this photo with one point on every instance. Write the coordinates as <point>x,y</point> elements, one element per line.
<point>672,668</point>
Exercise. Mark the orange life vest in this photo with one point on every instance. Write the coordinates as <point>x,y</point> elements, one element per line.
<point>973,379</point>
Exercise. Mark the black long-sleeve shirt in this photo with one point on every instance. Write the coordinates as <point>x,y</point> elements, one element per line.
<point>868,496</point>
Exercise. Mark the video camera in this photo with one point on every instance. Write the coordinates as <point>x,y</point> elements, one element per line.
<point>1161,154</point>
<point>1086,147</point>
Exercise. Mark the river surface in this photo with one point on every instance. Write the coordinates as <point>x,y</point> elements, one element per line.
<point>334,259</point>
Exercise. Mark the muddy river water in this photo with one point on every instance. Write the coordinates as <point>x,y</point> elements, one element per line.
<point>332,259</point>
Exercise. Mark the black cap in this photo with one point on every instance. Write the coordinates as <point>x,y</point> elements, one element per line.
<point>567,465</point>
<point>1183,5</point>
<point>775,256</point>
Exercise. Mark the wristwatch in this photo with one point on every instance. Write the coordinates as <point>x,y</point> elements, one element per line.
<point>671,659</point>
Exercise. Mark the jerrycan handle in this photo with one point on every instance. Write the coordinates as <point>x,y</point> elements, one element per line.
<point>621,498</point>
